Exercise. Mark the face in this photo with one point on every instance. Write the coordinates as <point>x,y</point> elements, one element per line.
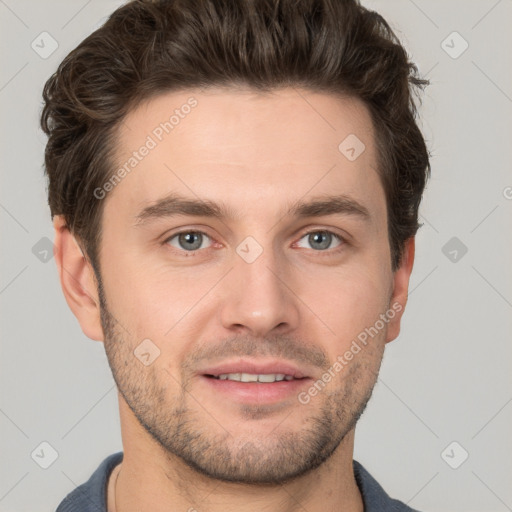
<point>243,244</point>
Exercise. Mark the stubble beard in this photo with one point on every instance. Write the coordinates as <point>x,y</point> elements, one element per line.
<point>177,422</point>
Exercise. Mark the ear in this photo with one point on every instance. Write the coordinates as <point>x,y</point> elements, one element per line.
<point>400,290</point>
<point>77,279</point>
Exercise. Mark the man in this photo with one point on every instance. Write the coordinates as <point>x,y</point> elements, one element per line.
<point>234,187</point>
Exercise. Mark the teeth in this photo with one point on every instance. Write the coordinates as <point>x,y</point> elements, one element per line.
<point>251,377</point>
<point>266,378</point>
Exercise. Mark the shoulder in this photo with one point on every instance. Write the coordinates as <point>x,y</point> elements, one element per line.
<point>374,496</point>
<point>91,495</point>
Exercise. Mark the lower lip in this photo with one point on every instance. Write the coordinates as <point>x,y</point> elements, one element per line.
<point>257,392</point>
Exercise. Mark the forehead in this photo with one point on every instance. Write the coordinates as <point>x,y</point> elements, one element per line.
<point>247,148</point>
<point>304,121</point>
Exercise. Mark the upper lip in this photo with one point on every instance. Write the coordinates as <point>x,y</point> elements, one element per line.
<point>256,367</point>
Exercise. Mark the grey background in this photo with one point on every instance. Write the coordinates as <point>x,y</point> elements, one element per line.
<point>446,378</point>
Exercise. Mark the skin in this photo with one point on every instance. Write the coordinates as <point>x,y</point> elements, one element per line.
<point>185,447</point>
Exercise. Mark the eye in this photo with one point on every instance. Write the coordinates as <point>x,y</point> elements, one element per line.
<point>193,241</point>
<point>321,240</point>
<point>188,240</point>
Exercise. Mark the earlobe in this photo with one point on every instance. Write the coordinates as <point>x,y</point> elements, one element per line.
<point>77,280</point>
<point>400,289</point>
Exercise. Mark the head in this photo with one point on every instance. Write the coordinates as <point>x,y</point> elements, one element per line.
<point>237,181</point>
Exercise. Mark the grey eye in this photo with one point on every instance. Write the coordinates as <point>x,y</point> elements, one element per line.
<point>188,240</point>
<point>320,240</point>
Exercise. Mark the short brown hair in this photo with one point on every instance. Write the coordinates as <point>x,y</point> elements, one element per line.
<point>150,47</point>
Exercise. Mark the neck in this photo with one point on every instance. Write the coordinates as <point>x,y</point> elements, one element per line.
<point>151,479</point>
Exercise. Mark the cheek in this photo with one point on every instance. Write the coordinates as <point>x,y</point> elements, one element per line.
<point>156,302</point>
<point>348,300</point>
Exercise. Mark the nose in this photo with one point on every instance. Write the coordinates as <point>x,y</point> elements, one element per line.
<point>259,297</point>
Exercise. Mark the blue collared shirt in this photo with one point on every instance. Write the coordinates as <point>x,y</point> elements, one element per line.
<point>92,495</point>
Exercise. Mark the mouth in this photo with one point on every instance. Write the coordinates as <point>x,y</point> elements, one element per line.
<point>267,378</point>
<point>255,382</point>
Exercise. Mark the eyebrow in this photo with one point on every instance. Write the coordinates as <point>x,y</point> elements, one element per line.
<point>173,204</point>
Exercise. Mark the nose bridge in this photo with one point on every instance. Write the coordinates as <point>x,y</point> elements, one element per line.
<point>258,296</point>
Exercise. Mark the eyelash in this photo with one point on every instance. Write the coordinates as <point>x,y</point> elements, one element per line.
<point>185,253</point>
